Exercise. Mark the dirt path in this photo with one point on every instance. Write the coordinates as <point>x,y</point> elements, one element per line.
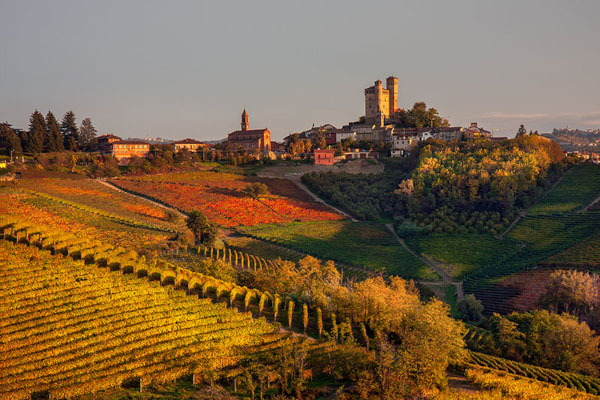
<point>584,209</point>
<point>319,200</point>
<point>434,265</point>
<point>521,215</point>
<point>110,185</point>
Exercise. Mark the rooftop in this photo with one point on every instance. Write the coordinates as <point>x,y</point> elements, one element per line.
<point>188,141</point>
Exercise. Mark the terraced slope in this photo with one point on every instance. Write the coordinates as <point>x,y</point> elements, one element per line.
<point>362,244</point>
<point>578,188</point>
<point>73,328</point>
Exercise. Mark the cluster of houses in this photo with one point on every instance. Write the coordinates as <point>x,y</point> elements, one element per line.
<point>376,127</point>
<point>124,150</point>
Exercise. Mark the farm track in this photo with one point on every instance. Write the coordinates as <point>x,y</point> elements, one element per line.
<point>114,187</point>
<point>434,265</point>
<point>316,198</point>
<point>584,209</point>
<point>523,213</point>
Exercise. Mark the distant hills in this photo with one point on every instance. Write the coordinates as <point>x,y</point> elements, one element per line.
<point>576,139</point>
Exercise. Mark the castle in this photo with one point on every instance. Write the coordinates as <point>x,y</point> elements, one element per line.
<point>381,103</point>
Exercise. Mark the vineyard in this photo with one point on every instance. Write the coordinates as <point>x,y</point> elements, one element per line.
<point>542,237</point>
<point>92,223</point>
<point>501,385</point>
<point>219,196</point>
<point>366,245</point>
<point>578,188</point>
<point>578,382</point>
<point>92,195</point>
<point>583,255</point>
<point>73,328</point>
<point>463,253</point>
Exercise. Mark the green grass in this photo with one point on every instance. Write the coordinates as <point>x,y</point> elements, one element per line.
<point>464,253</point>
<point>578,188</point>
<point>361,244</point>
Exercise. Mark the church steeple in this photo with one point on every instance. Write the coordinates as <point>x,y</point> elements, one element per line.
<point>245,124</point>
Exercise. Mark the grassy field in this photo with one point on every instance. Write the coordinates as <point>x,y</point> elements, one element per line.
<point>463,253</point>
<point>367,245</point>
<point>74,328</point>
<point>578,188</point>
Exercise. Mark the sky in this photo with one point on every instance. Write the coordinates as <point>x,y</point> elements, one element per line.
<point>177,69</point>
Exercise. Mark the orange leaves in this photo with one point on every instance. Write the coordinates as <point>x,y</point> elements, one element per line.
<point>222,201</point>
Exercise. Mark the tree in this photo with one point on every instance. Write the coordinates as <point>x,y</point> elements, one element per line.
<point>419,116</point>
<point>36,133</point>
<point>87,135</point>
<point>53,139</point>
<point>9,141</point>
<point>522,131</point>
<point>256,190</point>
<point>574,292</point>
<point>470,308</point>
<point>204,230</point>
<point>70,133</point>
<point>318,141</point>
<point>546,339</point>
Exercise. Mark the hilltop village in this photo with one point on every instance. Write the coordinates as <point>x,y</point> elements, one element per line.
<point>385,130</point>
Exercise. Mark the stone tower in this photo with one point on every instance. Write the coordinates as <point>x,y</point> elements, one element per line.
<point>245,124</point>
<point>391,84</point>
<point>381,103</point>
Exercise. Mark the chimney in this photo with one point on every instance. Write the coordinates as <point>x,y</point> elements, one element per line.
<point>473,124</point>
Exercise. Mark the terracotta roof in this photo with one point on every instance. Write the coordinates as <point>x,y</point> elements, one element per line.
<point>248,132</point>
<point>129,142</point>
<point>109,136</point>
<point>276,146</point>
<point>188,141</point>
<point>330,151</point>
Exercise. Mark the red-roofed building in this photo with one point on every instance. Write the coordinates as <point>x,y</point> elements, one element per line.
<point>104,142</point>
<point>189,144</point>
<point>324,157</point>
<point>250,139</point>
<point>124,150</point>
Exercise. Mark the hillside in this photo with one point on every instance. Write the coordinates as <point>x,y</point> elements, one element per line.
<point>73,328</point>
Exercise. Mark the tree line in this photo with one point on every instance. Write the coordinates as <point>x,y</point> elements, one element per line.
<point>47,135</point>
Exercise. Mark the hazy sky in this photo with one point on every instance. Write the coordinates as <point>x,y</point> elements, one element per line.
<point>181,69</point>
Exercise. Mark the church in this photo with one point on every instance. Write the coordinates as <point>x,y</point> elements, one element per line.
<point>250,139</point>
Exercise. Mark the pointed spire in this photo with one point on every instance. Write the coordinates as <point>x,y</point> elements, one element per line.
<point>245,124</point>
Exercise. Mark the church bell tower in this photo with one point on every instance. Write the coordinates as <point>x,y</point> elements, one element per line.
<point>245,125</point>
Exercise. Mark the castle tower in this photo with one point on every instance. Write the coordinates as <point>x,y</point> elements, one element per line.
<point>245,124</point>
<point>392,86</point>
<point>377,102</point>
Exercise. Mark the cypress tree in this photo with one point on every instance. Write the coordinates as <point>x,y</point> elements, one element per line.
<point>334,328</point>
<point>70,133</point>
<point>276,305</point>
<point>87,135</point>
<point>290,313</point>
<point>305,316</point>
<point>320,321</point>
<point>37,131</point>
<point>363,331</point>
<point>9,140</point>
<point>53,139</point>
